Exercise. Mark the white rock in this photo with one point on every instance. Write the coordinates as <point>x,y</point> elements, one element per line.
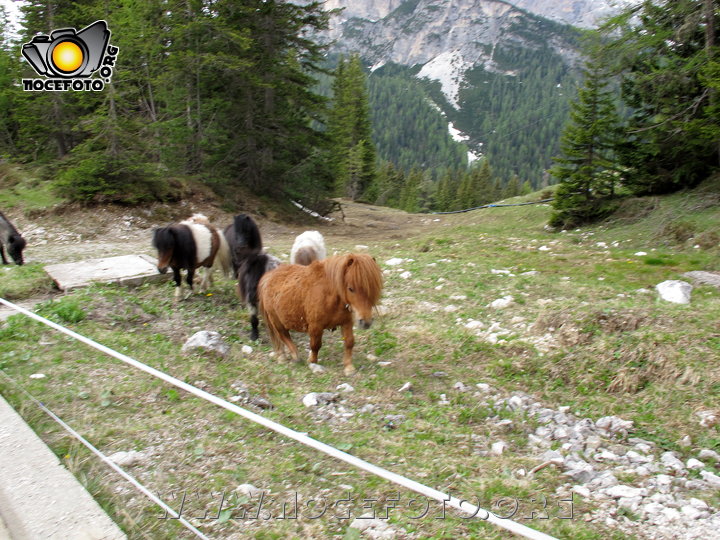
<point>473,324</point>
<point>126,459</point>
<point>493,271</point>
<point>458,297</point>
<point>691,512</point>
<point>407,387</point>
<point>582,491</point>
<point>483,387</point>
<point>675,291</point>
<point>619,491</point>
<point>630,503</point>
<point>206,340</point>
<point>450,308</point>
<point>344,387</point>
<point>371,527</point>
<point>653,508</point>
<point>543,248</point>
<point>502,303</point>
<point>405,275</point>
<point>246,349</point>
<point>671,461</point>
<point>670,514</point>
<point>443,400</point>
<point>707,418</point>
<point>461,387</point>
<point>695,464</point>
<point>37,376</point>
<point>498,448</point>
<point>248,490</point>
<point>640,254</point>
<point>316,368</point>
<point>394,261</point>
<point>710,478</point>
<point>709,454</point>
<point>310,400</point>
<point>699,504</point>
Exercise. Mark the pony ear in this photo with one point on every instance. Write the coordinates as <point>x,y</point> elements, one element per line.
<point>350,260</point>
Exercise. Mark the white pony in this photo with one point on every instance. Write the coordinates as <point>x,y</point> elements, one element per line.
<point>308,247</point>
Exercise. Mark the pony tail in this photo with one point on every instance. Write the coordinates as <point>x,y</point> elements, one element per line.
<point>270,320</point>
<point>223,258</point>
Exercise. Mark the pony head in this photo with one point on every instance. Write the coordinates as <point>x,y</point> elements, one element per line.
<point>16,244</point>
<point>164,241</point>
<point>358,281</point>
<point>247,233</point>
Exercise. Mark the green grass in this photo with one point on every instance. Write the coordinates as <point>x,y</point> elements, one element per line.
<point>21,282</point>
<point>24,189</point>
<point>615,351</point>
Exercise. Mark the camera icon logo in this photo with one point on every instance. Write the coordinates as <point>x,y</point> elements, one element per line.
<point>66,53</point>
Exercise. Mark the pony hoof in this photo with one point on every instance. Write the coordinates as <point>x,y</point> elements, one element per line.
<point>349,370</point>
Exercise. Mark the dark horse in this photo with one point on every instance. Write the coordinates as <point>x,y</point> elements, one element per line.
<point>190,245</point>
<point>324,295</point>
<point>250,263</point>
<point>10,237</point>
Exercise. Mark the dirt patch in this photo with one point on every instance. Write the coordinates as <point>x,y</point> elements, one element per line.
<point>71,232</point>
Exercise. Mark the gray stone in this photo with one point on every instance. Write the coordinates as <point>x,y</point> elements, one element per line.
<point>206,341</point>
<point>314,399</point>
<point>128,270</point>
<point>711,454</point>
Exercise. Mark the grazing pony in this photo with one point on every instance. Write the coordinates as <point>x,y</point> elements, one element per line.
<point>308,247</point>
<point>324,295</point>
<point>10,237</point>
<point>190,245</point>
<point>250,263</point>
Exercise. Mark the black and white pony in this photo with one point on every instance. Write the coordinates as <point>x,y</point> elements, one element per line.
<point>10,238</point>
<point>250,263</point>
<point>308,247</point>
<point>189,245</point>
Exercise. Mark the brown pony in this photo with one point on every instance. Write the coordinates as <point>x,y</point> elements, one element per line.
<point>324,295</point>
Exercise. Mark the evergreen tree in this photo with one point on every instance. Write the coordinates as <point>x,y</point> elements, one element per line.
<point>663,53</point>
<point>350,132</point>
<point>585,168</point>
<point>387,186</point>
<point>410,194</point>
<point>512,188</point>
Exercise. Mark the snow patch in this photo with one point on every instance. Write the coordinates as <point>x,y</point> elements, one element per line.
<point>448,69</point>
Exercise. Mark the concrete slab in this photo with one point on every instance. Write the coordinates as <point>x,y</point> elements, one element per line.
<point>127,270</point>
<point>39,498</point>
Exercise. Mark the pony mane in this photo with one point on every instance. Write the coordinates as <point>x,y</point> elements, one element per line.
<point>356,270</point>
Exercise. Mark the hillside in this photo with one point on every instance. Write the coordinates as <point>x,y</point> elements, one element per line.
<point>538,363</point>
<point>498,76</point>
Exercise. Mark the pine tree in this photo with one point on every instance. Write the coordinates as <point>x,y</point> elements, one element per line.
<point>350,132</point>
<point>663,52</point>
<point>586,169</point>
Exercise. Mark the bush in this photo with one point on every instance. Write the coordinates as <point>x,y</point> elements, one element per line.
<point>95,178</point>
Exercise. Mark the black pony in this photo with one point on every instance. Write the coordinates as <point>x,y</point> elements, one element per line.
<point>189,245</point>
<point>250,263</point>
<point>10,237</point>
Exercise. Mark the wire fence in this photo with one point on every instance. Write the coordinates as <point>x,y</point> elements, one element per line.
<point>459,504</point>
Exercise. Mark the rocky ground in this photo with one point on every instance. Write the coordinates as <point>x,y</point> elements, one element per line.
<point>634,486</point>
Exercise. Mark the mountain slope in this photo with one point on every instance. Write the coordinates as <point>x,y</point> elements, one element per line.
<point>493,70</point>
